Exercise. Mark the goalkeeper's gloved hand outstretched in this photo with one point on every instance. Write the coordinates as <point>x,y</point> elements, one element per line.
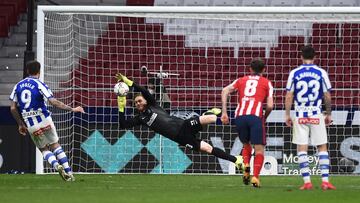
<point>121,77</point>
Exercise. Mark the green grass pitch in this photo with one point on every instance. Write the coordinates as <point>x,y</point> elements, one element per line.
<point>30,188</point>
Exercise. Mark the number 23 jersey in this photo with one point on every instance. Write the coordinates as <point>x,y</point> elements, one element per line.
<point>253,91</point>
<point>308,82</point>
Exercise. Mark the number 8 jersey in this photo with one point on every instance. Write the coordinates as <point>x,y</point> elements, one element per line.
<point>253,91</point>
<point>30,94</point>
<point>308,82</point>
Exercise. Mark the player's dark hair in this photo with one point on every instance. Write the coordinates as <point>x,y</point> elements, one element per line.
<point>308,52</point>
<point>33,67</point>
<point>257,65</point>
<point>137,95</point>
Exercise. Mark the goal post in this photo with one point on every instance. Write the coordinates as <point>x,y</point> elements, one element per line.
<point>191,53</point>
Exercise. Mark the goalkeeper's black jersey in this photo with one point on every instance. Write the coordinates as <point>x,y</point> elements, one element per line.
<point>155,117</point>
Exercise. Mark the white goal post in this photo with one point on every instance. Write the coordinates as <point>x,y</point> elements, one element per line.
<point>80,48</point>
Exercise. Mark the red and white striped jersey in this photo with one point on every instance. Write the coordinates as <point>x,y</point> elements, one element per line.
<point>253,91</point>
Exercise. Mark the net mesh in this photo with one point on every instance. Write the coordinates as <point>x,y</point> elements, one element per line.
<point>83,52</point>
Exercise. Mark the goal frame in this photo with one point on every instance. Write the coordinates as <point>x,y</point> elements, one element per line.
<point>166,10</point>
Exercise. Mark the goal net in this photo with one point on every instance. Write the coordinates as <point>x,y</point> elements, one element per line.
<point>82,48</point>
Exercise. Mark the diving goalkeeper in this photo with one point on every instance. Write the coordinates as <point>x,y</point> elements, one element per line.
<point>178,130</point>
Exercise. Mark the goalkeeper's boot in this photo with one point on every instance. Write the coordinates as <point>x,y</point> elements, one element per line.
<point>246,175</point>
<point>239,163</point>
<point>213,111</point>
<point>61,172</point>
<point>255,181</point>
<point>327,186</point>
<point>306,186</point>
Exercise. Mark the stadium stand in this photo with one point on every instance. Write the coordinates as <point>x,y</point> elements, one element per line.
<point>182,49</point>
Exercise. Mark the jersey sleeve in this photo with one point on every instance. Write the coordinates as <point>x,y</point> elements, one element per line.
<point>45,90</point>
<point>326,82</point>
<point>290,82</point>
<point>13,96</point>
<point>235,84</point>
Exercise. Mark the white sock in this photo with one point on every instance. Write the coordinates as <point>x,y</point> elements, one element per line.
<point>304,166</point>
<point>63,160</point>
<point>50,158</point>
<point>324,164</point>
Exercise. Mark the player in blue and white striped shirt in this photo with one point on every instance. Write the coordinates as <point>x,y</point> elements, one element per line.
<point>308,85</point>
<point>30,112</point>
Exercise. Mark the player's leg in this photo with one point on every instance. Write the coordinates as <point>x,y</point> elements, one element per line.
<point>300,137</point>
<point>207,119</point>
<point>244,136</point>
<point>38,135</point>
<point>258,139</point>
<point>53,138</point>
<point>258,163</point>
<point>63,160</point>
<point>207,148</point>
<point>319,138</point>
<point>209,116</point>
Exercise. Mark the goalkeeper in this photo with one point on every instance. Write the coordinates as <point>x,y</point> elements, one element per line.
<point>178,130</point>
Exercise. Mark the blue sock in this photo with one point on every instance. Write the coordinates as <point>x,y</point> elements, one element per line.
<point>62,158</point>
<point>324,163</point>
<point>50,158</point>
<point>304,166</point>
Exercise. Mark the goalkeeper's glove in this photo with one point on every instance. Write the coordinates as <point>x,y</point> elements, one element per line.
<point>121,103</point>
<point>121,77</point>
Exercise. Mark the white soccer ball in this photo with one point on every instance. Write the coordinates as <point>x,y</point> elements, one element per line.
<point>121,89</point>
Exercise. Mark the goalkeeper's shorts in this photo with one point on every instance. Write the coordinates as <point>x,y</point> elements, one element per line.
<point>188,134</point>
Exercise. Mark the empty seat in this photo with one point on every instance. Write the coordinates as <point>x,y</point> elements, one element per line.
<point>197,2</point>
<point>313,2</point>
<point>283,3</point>
<point>255,3</point>
<point>342,3</point>
<point>201,40</point>
<point>227,3</point>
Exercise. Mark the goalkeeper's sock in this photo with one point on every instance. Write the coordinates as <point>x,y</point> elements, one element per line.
<point>246,153</point>
<point>324,163</point>
<point>50,158</point>
<point>222,154</point>
<point>63,160</point>
<point>304,166</point>
<point>258,163</point>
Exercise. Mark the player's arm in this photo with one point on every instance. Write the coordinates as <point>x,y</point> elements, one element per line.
<point>269,100</point>
<point>145,93</point>
<point>288,103</point>
<point>224,98</point>
<point>327,98</point>
<point>15,113</point>
<point>124,124</point>
<point>269,106</point>
<point>327,101</point>
<point>58,104</point>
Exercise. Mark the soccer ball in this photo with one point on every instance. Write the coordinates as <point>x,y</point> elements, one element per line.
<point>121,89</point>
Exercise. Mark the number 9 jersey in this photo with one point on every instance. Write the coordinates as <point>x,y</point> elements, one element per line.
<point>253,91</point>
<point>30,94</point>
<point>308,82</point>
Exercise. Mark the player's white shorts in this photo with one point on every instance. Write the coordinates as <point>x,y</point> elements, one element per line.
<point>44,133</point>
<point>312,128</point>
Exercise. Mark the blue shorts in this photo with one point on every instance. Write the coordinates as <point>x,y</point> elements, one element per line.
<point>251,129</point>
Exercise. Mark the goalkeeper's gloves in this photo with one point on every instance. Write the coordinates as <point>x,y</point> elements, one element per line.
<point>121,103</point>
<point>121,77</point>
